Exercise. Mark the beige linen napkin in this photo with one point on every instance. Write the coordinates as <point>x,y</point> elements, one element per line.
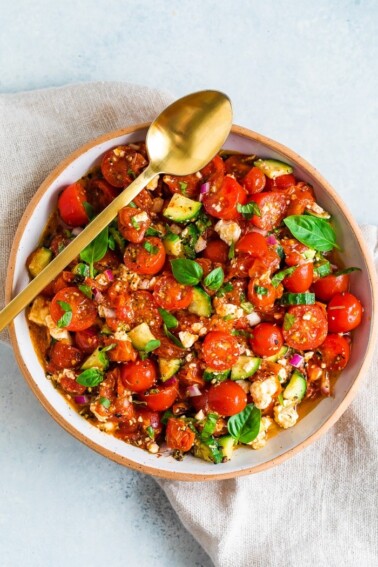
<point>321,506</point>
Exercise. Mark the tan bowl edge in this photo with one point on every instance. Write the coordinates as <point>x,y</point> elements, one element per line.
<point>187,476</point>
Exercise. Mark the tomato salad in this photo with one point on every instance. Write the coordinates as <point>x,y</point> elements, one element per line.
<point>205,314</point>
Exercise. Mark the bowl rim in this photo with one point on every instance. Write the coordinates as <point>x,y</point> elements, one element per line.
<point>187,476</point>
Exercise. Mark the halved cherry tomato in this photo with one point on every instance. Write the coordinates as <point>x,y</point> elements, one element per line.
<point>179,435</point>
<point>266,339</point>
<point>70,386</point>
<point>201,402</point>
<point>161,397</point>
<point>261,294</point>
<point>216,251</point>
<point>168,349</point>
<point>281,182</point>
<point>344,313</point>
<point>87,340</point>
<point>325,288</point>
<point>144,200</point>
<point>266,264</point>
<point>335,352</point>
<point>301,196</point>
<point>272,207</point>
<point>254,181</point>
<point>146,258</point>
<point>170,294</point>
<point>83,310</point>
<point>63,355</point>
<point>306,326</point>
<point>222,204</point>
<point>238,165</point>
<point>71,205</point>
<point>121,165</point>
<point>187,185</point>
<point>294,251</point>
<point>139,375</point>
<point>301,279</point>
<point>220,350</point>
<point>213,173</point>
<point>130,226</point>
<point>100,194</point>
<point>122,352</point>
<point>252,243</point>
<point>227,398</point>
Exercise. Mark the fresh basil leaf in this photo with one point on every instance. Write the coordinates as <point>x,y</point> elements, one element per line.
<point>90,378</point>
<point>89,210</point>
<point>346,271</point>
<point>312,232</point>
<point>260,290</point>
<point>96,250</point>
<point>245,425</point>
<point>66,318</point>
<point>214,280</point>
<point>151,249</point>
<point>279,276</point>
<point>209,426</point>
<point>152,345</point>
<point>288,321</point>
<point>104,402</point>
<point>86,289</point>
<point>202,222</point>
<point>81,270</point>
<point>169,320</point>
<point>249,210</point>
<point>150,432</point>
<point>231,251</point>
<point>166,415</point>
<point>65,306</point>
<point>116,237</point>
<point>225,289</point>
<point>187,272</point>
<point>172,337</point>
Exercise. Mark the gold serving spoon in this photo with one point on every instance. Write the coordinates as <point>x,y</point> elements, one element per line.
<point>180,141</point>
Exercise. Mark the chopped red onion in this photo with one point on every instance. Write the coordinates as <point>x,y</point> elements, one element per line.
<point>205,188</point>
<point>109,275</point>
<point>193,391</point>
<point>171,381</point>
<point>259,230</point>
<point>108,313</point>
<point>81,400</point>
<point>77,230</point>
<point>97,295</point>
<point>271,239</point>
<point>296,360</point>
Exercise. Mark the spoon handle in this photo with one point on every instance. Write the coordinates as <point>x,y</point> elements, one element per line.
<point>75,247</point>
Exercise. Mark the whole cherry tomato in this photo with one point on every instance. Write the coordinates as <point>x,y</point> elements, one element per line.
<point>252,243</point>
<point>254,181</point>
<point>63,355</point>
<point>79,311</point>
<point>161,397</point>
<point>170,294</point>
<point>344,313</point>
<point>216,251</point>
<point>325,288</point>
<point>220,350</point>
<point>335,352</point>
<point>71,205</point>
<point>266,339</point>
<point>146,258</point>
<point>227,398</point>
<point>301,279</point>
<point>272,206</point>
<point>139,375</point>
<point>223,203</point>
<point>87,340</point>
<point>179,435</point>
<point>305,326</point>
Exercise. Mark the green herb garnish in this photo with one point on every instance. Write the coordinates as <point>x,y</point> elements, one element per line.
<point>214,279</point>
<point>312,232</point>
<point>245,425</point>
<point>187,272</point>
<point>66,318</point>
<point>249,210</point>
<point>90,378</point>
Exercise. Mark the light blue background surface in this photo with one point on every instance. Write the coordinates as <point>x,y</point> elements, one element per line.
<point>302,72</point>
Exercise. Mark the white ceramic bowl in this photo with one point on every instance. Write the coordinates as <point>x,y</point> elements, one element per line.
<point>245,460</point>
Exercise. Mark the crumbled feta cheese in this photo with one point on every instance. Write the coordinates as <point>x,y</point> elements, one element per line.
<point>39,310</point>
<point>175,229</point>
<point>187,339</point>
<point>56,332</point>
<point>228,309</point>
<point>229,231</point>
<point>198,174</point>
<point>282,375</point>
<point>141,217</point>
<point>99,416</point>
<point>197,327</point>
<point>108,426</point>
<point>153,448</point>
<point>315,208</point>
<point>262,392</point>
<point>282,361</point>
<point>200,245</point>
<point>308,355</point>
<point>307,317</point>
<point>260,441</point>
<point>151,186</point>
<point>200,416</point>
<point>286,416</point>
<point>253,319</point>
<point>121,335</point>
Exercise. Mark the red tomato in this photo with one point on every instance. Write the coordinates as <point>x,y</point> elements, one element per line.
<point>268,263</point>
<point>131,228</point>
<point>227,398</point>
<point>216,251</point>
<point>344,313</point>
<point>205,264</point>
<point>272,207</point>
<point>266,339</point>
<point>305,333</point>
<point>281,182</point>
<point>170,294</point>
<point>301,279</point>
<point>301,196</point>
<point>261,295</point>
<point>294,251</point>
<point>179,435</point>
<point>87,340</point>
<point>123,351</point>
<point>70,205</point>
<point>71,386</point>
<point>201,402</point>
<point>139,375</point>
<point>238,165</point>
<point>213,173</point>
<point>223,203</point>
<point>325,288</point>
<point>101,194</point>
<point>82,309</point>
<point>144,200</point>
<point>254,181</point>
<point>252,243</point>
<point>187,185</point>
<point>149,419</point>
<point>220,350</point>
<point>161,397</point>
<point>147,258</point>
<point>121,165</point>
<point>335,352</point>
<point>64,356</point>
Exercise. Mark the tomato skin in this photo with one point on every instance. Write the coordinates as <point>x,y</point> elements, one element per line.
<point>132,233</point>
<point>120,165</point>
<point>162,396</point>
<point>101,194</point>
<point>138,259</point>
<point>123,351</point>
<point>254,181</point>
<point>344,313</point>
<point>87,340</point>
<point>252,243</point>
<point>301,279</point>
<point>220,350</point>
<point>84,310</point>
<point>223,203</point>
<point>294,251</point>
<point>179,435</point>
<point>205,264</point>
<point>71,205</point>
<point>227,398</point>
<point>139,375</point>
<point>281,182</point>
<point>325,288</point>
<point>213,173</point>
<point>171,295</point>
<point>237,165</point>
<point>306,334</point>
<point>63,355</point>
<point>266,339</point>
<point>71,386</point>
<point>261,301</point>
<point>187,185</point>
<point>272,207</point>
<point>201,402</point>
<point>335,352</point>
<point>216,251</point>
<point>301,196</point>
